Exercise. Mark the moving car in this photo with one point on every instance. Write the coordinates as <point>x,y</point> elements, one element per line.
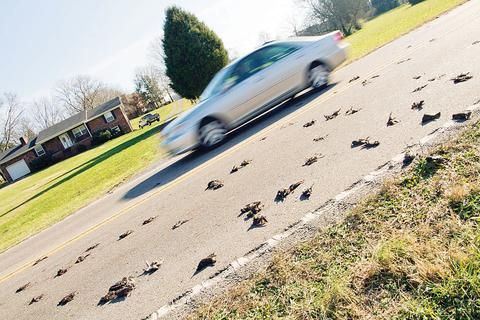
<point>250,85</point>
<point>148,119</point>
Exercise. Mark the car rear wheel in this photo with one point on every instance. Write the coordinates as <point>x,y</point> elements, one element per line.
<point>318,76</point>
<point>212,133</point>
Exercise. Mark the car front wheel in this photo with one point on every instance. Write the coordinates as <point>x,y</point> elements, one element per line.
<point>212,133</point>
<point>318,76</point>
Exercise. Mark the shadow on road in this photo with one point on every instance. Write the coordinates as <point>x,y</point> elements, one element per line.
<point>194,159</point>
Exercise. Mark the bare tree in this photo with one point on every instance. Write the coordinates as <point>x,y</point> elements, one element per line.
<point>158,64</point>
<point>12,109</point>
<point>46,113</point>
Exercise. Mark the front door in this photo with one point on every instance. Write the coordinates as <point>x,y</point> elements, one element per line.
<point>66,141</point>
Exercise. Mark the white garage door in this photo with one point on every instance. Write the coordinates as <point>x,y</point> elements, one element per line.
<point>18,169</point>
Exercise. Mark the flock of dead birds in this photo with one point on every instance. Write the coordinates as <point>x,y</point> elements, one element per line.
<point>124,287</point>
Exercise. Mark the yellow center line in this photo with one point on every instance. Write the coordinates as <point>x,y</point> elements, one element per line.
<point>324,97</point>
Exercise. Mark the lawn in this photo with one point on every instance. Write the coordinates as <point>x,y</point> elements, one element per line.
<point>395,23</point>
<point>411,251</point>
<point>46,197</point>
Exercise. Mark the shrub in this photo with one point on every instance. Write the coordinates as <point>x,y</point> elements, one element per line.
<point>41,163</point>
<point>193,53</point>
<point>382,6</point>
<point>101,137</point>
<point>414,2</point>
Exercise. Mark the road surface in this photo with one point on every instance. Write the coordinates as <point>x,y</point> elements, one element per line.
<point>278,146</point>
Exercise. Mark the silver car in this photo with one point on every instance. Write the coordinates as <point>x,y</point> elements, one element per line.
<point>250,85</point>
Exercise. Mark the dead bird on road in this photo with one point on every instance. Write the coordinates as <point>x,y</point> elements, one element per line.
<point>306,194</point>
<point>427,118</point>
<point>179,224</point>
<point>420,88</point>
<point>39,260</point>
<point>312,160</point>
<point>408,159</point>
<point>392,120</point>
<point>81,258</point>
<point>66,299</point>
<point>121,289</point>
<point>351,111</point>
<point>283,193</point>
<point>22,288</point>
<point>149,220</point>
<point>252,209</point>
<point>309,124</point>
<point>259,221</point>
<point>206,262</point>
<point>359,142</point>
<point>418,105</point>
<point>318,139</point>
<point>355,78</point>
<point>332,116</point>
<point>152,267</point>
<point>462,116</point>
<point>214,185</point>
<point>36,299</point>
<point>92,247</point>
<point>462,78</point>
<point>242,165</point>
<point>125,234</point>
<point>61,272</point>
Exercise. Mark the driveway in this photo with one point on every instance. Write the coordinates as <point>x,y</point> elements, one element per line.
<point>277,145</point>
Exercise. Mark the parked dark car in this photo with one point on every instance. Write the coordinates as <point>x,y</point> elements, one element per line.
<point>148,119</point>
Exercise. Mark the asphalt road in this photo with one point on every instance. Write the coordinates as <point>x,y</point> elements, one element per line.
<point>175,189</point>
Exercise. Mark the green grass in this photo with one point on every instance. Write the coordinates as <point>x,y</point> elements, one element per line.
<point>407,252</point>
<point>44,198</point>
<point>391,25</point>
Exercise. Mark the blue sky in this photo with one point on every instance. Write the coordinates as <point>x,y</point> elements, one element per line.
<point>45,41</point>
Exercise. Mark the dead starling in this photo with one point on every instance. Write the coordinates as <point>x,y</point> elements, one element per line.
<point>420,88</point>
<point>375,76</point>
<point>392,120</point>
<point>214,185</point>
<point>22,288</point>
<point>417,77</point>
<point>462,78</point>
<point>152,267</point>
<point>125,234</point>
<point>92,247</point>
<point>351,111</point>
<point>259,221</point>
<point>61,272</point>
<point>312,160</point>
<point>66,299</point>
<point>242,165</point>
<point>318,139</point>
<point>404,60</point>
<point>306,193</point>
<point>435,160</point>
<point>432,40</point>
<point>149,220</point>
<point>408,159</point>
<point>120,289</point>
<point>418,105</point>
<point>263,139</point>
<point>282,195</point>
<point>36,299</point>
<point>81,258</point>
<point>365,82</point>
<point>432,79</point>
<point>476,102</point>
<point>309,124</point>
<point>179,224</point>
<point>427,118</point>
<point>462,116</point>
<point>206,262</point>
<point>333,115</point>
<point>295,185</point>
<point>371,145</point>
<point>252,209</point>
<point>39,260</point>
<point>359,142</point>
<point>354,79</point>
<point>475,42</point>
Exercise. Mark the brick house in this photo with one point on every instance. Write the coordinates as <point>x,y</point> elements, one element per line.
<point>64,139</point>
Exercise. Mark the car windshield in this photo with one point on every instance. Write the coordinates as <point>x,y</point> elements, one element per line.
<point>217,85</point>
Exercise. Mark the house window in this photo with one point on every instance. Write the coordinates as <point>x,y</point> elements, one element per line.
<point>39,150</point>
<point>116,130</point>
<point>79,131</point>
<point>66,141</point>
<point>109,116</point>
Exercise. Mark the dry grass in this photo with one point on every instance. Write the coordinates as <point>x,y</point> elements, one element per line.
<point>408,252</point>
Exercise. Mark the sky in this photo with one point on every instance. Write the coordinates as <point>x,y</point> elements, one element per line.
<point>45,41</point>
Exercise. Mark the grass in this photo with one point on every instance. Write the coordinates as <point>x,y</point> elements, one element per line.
<point>393,24</point>
<point>411,251</point>
<point>44,198</point>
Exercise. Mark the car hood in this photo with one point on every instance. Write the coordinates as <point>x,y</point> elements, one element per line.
<point>184,116</point>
